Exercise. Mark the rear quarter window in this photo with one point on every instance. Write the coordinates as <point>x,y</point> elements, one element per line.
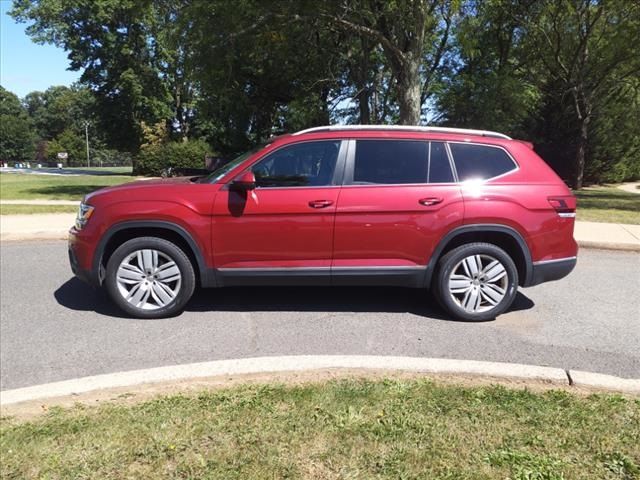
<point>480,162</point>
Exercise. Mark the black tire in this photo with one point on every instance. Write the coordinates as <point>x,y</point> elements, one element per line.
<point>173,252</point>
<point>452,259</point>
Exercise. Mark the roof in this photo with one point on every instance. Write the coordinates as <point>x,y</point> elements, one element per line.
<point>406,128</point>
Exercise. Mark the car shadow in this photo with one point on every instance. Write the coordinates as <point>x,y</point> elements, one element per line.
<point>77,295</point>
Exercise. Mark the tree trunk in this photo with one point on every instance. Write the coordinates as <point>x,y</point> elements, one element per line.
<point>363,96</point>
<point>584,110</point>
<point>363,105</point>
<point>409,91</point>
<point>580,153</point>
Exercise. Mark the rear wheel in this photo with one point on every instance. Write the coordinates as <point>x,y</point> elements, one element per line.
<point>150,277</point>
<point>476,282</point>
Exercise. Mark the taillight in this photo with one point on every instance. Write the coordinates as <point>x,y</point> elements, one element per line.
<point>565,207</point>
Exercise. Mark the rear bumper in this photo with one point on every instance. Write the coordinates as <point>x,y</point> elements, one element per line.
<point>549,270</point>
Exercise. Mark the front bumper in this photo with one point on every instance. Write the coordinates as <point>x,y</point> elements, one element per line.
<point>550,270</point>
<point>78,251</point>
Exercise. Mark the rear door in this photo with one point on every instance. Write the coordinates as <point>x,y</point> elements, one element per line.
<point>398,200</point>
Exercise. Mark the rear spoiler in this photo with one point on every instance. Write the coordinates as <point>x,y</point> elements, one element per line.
<point>528,144</point>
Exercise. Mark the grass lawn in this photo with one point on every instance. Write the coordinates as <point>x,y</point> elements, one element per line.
<point>54,187</point>
<point>608,204</point>
<point>112,170</point>
<point>349,428</point>
<point>32,209</point>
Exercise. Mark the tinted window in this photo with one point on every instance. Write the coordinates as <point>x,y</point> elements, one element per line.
<point>480,162</point>
<point>390,162</point>
<point>309,164</point>
<point>439,166</point>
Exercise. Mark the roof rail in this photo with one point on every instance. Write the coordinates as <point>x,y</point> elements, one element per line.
<point>408,128</point>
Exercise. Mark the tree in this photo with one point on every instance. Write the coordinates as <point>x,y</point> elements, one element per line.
<point>73,144</point>
<point>260,67</point>
<point>115,44</point>
<point>614,141</point>
<point>17,140</point>
<point>414,36</point>
<point>491,84</point>
<point>584,47</point>
<point>60,108</point>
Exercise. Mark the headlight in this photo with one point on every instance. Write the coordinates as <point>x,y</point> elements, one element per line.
<point>84,213</point>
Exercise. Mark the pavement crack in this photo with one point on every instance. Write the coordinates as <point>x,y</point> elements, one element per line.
<point>568,373</point>
<point>630,232</point>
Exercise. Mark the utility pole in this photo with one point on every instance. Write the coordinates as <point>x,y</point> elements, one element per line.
<point>86,136</point>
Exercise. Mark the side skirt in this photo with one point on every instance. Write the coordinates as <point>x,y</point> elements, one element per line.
<point>327,276</point>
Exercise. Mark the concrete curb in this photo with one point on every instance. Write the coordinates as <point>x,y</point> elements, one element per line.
<point>49,235</point>
<point>626,247</point>
<point>312,362</point>
<point>608,382</point>
<point>70,203</point>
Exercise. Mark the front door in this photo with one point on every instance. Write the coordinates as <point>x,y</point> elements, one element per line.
<point>399,198</point>
<point>285,226</point>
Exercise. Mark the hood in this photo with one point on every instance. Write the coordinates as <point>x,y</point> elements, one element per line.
<point>139,186</point>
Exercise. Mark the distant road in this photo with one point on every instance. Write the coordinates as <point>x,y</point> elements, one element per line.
<point>69,171</point>
<point>53,327</point>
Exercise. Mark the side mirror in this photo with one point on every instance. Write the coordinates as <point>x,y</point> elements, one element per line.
<point>246,181</point>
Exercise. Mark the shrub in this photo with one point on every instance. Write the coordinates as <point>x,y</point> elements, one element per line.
<point>154,158</point>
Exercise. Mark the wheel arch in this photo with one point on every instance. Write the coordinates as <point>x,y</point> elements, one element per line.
<point>119,233</point>
<point>505,237</point>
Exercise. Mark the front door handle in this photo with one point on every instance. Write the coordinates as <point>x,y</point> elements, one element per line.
<point>427,202</point>
<point>320,203</point>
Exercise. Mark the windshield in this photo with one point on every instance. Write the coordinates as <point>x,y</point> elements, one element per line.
<point>218,173</point>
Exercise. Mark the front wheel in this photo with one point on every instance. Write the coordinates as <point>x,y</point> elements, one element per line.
<point>476,282</point>
<point>150,277</point>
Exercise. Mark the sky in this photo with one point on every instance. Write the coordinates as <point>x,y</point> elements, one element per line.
<point>26,66</point>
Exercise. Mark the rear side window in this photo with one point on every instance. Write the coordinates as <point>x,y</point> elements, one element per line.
<point>439,166</point>
<point>390,162</point>
<point>480,162</point>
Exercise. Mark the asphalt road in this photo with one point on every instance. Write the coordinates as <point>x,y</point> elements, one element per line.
<point>54,327</point>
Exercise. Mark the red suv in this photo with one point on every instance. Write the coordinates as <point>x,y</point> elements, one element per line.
<point>469,214</point>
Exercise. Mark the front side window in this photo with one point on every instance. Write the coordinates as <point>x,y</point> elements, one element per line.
<point>480,162</point>
<point>390,162</point>
<point>309,164</point>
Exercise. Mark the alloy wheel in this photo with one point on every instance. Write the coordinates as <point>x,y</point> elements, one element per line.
<point>478,283</point>
<point>148,279</point>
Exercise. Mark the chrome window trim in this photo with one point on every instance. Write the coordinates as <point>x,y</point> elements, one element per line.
<point>456,179</point>
<point>382,185</point>
<point>513,160</point>
<point>555,260</point>
<point>353,267</point>
<point>429,162</point>
<point>338,173</point>
<point>452,164</point>
<point>350,163</point>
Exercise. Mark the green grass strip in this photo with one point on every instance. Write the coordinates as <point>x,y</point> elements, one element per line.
<point>365,429</point>
<point>54,187</point>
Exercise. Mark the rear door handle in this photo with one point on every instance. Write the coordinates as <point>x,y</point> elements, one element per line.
<point>320,203</point>
<point>427,202</point>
